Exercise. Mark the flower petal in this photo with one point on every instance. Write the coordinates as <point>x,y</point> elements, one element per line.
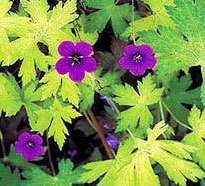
<point>150,62</point>
<point>89,64</point>
<point>39,151</point>
<point>63,66</point>
<point>66,48</point>
<point>130,50</point>
<point>83,48</point>
<point>28,155</point>
<point>138,69</point>
<point>77,74</point>
<point>24,136</point>
<point>19,147</point>
<point>125,63</point>
<point>36,139</point>
<point>145,50</point>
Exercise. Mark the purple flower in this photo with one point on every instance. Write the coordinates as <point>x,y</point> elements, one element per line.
<point>107,99</point>
<point>137,59</point>
<point>75,60</point>
<point>112,141</point>
<point>72,153</point>
<point>29,145</point>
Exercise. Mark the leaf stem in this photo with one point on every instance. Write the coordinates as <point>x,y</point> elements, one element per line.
<point>49,155</point>
<point>100,133</point>
<point>133,18</point>
<point>2,144</point>
<point>161,110</point>
<point>174,117</point>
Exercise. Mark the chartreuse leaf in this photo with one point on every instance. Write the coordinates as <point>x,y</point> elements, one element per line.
<point>52,119</point>
<point>183,47</point>
<point>178,95</point>
<point>11,93</point>
<point>107,9</point>
<point>66,176</point>
<point>8,178</point>
<point>133,162</point>
<point>197,136</point>
<point>158,17</point>
<point>53,82</point>
<point>46,26</point>
<point>139,111</point>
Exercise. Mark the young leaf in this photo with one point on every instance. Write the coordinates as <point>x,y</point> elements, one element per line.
<point>179,48</point>
<point>133,167</point>
<point>197,136</point>
<point>54,82</point>
<point>158,17</point>
<point>107,9</point>
<point>179,95</point>
<point>53,118</point>
<point>66,176</point>
<point>139,111</point>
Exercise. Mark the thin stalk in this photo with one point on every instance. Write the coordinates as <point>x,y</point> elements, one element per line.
<point>133,19</point>
<point>2,144</point>
<point>161,110</point>
<point>179,122</point>
<point>49,155</point>
<point>76,31</point>
<point>100,133</point>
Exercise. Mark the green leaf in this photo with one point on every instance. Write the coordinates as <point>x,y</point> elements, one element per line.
<point>53,118</point>
<point>8,178</point>
<point>54,82</point>
<point>66,176</point>
<point>118,14</point>
<point>178,95</point>
<point>181,47</point>
<point>133,162</point>
<point>197,136</point>
<point>139,111</point>
<point>158,17</point>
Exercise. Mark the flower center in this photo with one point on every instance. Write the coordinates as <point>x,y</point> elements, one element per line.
<point>30,144</point>
<point>75,59</point>
<point>137,57</point>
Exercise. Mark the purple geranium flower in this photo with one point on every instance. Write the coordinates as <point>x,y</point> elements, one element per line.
<point>112,141</point>
<point>29,145</point>
<point>137,59</point>
<point>76,60</point>
<point>72,153</point>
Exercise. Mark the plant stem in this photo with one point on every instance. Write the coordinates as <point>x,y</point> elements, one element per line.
<point>161,110</point>
<point>133,19</point>
<point>49,155</point>
<point>118,113</point>
<point>2,144</point>
<point>179,122</point>
<point>100,133</point>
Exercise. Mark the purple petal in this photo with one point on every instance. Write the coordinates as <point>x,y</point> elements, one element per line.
<point>39,151</point>
<point>19,147</point>
<point>36,139</point>
<point>150,62</point>
<point>77,74</point>
<point>138,69</point>
<point>83,48</point>
<point>28,155</point>
<point>112,141</point>
<point>129,50</point>
<point>145,49</point>
<point>89,64</point>
<point>66,48</point>
<point>125,63</point>
<point>63,66</point>
<point>24,136</point>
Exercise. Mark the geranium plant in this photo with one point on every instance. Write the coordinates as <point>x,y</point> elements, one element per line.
<point>102,92</point>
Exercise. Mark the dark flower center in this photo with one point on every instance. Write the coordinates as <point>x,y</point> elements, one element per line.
<point>30,144</point>
<point>75,59</point>
<point>137,57</point>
